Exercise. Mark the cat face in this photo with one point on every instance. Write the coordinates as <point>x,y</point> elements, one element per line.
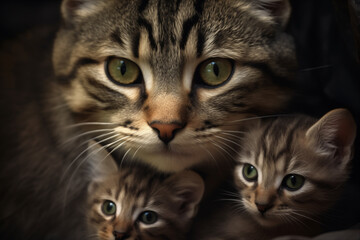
<point>162,79</point>
<point>292,168</point>
<point>136,202</point>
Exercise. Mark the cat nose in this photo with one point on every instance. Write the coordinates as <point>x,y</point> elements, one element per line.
<point>263,207</point>
<point>120,235</point>
<point>166,131</point>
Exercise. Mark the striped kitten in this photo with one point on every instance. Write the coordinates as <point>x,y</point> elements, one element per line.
<point>289,172</point>
<point>137,202</point>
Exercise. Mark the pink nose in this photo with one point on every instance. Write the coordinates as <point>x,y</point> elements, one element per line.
<point>166,131</point>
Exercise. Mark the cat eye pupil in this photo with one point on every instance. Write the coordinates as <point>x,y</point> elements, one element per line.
<point>215,68</point>
<point>122,71</point>
<point>123,68</point>
<point>215,72</point>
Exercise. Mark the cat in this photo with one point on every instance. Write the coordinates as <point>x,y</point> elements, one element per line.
<point>290,171</point>
<point>137,202</point>
<point>165,81</point>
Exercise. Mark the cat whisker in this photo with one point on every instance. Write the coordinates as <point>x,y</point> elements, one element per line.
<point>88,133</point>
<point>231,135</point>
<point>136,151</point>
<point>231,141</point>
<point>88,156</point>
<point>210,154</point>
<point>233,131</point>
<point>114,149</point>
<point>91,124</point>
<point>223,150</point>
<point>83,152</point>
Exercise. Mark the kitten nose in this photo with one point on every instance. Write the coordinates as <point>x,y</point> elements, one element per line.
<point>263,207</point>
<point>166,131</point>
<point>120,235</point>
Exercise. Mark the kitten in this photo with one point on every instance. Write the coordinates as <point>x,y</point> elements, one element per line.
<point>137,202</point>
<point>166,81</point>
<point>289,172</point>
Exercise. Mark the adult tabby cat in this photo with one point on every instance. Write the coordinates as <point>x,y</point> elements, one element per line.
<point>137,202</point>
<point>290,171</point>
<point>165,81</point>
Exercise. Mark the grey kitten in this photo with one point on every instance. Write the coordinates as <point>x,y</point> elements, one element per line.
<point>289,172</point>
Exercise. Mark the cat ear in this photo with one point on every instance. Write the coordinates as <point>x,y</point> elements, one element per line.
<point>75,9</point>
<point>102,163</point>
<point>274,10</point>
<point>187,190</point>
<point>334,135</point>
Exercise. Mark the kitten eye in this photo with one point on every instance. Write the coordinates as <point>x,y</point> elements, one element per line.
<point>108,208</point>
<point>249,172</point>
<point>293,182</point>
<point>216,71</point>
<point>122,71</point>
<point>148,217</point>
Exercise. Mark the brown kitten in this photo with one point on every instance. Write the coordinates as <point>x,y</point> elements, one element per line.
<point>136,202</point>
<point>289,172</point>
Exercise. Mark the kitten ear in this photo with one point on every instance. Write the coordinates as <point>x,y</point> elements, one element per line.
<point>102,163</point>
<point>188,189</point>
<point>274,10</point>
<point>334,134</point>
<point>75,9</point>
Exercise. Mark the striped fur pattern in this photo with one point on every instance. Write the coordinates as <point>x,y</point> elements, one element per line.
<point>264,207</point>
<point>320,151</point>
<point>137,189</point>
<point>168,40</point>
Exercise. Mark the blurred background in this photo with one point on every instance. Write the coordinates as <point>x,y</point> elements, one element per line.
<point>327,37</point>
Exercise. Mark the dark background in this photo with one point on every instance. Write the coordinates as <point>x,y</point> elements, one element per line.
<point>327,37</point>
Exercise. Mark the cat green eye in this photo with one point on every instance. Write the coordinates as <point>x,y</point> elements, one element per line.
<point>293,182</point>
<point>148,217</point>
<point>216,71</point>
<point>249,172</point>
<point>108,208</point>
<point>122,71</point>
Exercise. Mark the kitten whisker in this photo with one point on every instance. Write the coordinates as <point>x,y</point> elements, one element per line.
<point>231,123</point>
<point>296,212</point>
<point>316,68</point>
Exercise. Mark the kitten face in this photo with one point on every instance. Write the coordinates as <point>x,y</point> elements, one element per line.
<point>292,168</point>
<point>164,79</point>
<point>153,206</point>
